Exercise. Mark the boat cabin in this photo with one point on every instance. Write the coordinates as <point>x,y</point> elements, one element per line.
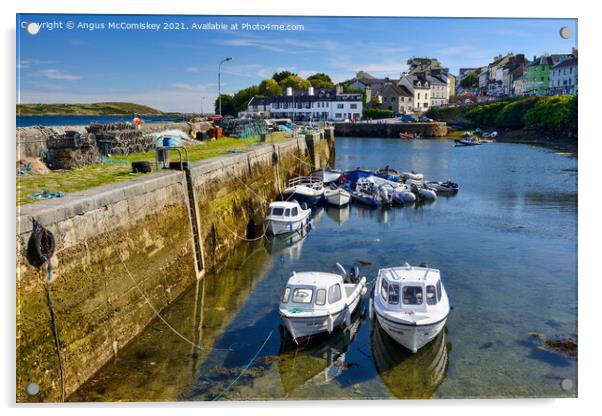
<point>284,210</point>
<point>409,288</point>
<point>314,291</point>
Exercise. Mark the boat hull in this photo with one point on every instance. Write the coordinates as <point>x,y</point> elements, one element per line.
<point>339,197</point>
<point>275,227</point>
<point>463,142</point>
<point>364,200</point>
<point>412,337</point>
<point>300,197</point>
<point>302,329</point>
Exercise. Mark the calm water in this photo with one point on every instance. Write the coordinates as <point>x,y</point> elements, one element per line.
<point>26,121</point>
<point>506,246</point>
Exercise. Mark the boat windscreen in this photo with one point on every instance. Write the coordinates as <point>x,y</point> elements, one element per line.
<point>302,295</point>
<point>412,295</point>
<point>431,295</point>
<point>277,211</point>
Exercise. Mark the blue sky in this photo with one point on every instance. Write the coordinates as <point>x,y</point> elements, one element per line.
<point>173,69</point>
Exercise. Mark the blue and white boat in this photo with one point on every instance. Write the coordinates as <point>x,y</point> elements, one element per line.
<point>389,174</point>
<point>354,175</point>
<point>304,189</point>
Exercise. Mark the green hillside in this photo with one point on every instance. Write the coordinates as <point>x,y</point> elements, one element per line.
<point>86,109</point>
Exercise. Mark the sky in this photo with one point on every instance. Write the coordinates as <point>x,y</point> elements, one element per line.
<point>171,62</point>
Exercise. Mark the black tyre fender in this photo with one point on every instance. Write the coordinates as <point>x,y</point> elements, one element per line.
<point>141,167</point>
<point>41,247</point>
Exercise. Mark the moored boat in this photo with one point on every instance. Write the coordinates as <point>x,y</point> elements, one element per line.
<point>304,189</point>
<point>327,175</point>
<point>337,196</point>
<point>407,135</point>
<point>286,217</point>
<point>416,176</point>
<point>318,302</point>
<point>410,304</point>
<point>443,187</point>
<point>389,174</point>
<point>354,175</point>
<point>467,142</point>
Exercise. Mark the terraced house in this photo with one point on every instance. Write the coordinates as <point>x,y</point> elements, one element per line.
<point>538,72</point>
<point>563,78</point>
<point>328,104</point>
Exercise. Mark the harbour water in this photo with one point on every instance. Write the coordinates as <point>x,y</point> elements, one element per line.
<point>78,120</point>
<point>506,245</point>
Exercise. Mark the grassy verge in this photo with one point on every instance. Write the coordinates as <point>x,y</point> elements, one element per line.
<point>118,168</point>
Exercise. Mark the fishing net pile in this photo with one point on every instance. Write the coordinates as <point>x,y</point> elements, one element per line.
<point>243,128</point>
<point>119,138</point>
<point>71,150</point>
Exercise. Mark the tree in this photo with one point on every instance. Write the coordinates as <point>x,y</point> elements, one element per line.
<point>296,82</point>
<point>320,80</point>
<point>241,99</point>
<point>227,105</point>
<point>270,88</point>
<point>279,76</point>
<point>471,81</point>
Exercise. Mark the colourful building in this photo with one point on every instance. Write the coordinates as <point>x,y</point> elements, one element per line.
<point>538,73</point>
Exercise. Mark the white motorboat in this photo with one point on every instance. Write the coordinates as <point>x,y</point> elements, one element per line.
<point>337,196</point>
<point>304,189</point>
<point>412,175</point>
<point>327,175</point>
<point>286,217</point>
<point>314,303</point>
<point>410,304</point>
<point>424,192</point>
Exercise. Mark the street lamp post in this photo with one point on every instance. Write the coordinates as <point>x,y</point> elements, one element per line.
<point>219,82</point>
<point>202,102</point>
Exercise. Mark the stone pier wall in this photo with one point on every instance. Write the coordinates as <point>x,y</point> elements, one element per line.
<point>143,223</point>
<point>391,130</point>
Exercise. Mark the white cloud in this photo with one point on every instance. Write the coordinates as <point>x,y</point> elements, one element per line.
<point>56,74</point>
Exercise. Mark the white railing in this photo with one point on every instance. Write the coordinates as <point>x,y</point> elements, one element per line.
<point>305,180</point>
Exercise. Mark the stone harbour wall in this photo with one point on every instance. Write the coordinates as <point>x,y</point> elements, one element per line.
<point>392,130</point>
<point>145,225</point>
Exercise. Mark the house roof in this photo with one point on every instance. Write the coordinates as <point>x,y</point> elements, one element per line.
<point>325,94</point>
<point>566,64</point>
<point>400,91</point>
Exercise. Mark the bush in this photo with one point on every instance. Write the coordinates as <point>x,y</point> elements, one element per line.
<point>558,112</point>
<point>377,113</point>
<point>512,115</point>
<point>485,115</point>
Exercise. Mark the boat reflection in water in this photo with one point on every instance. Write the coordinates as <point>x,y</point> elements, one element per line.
<point>321,360</point>
<point>338,214</point>
<point>288,246</point>
<point>408,375</point>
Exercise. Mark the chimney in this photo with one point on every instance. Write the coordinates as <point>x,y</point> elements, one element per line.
<point>289,91</point>
<point>338,89</point>
<point>310,91</point>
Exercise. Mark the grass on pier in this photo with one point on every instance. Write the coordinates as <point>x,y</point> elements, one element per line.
<point>119,169</point>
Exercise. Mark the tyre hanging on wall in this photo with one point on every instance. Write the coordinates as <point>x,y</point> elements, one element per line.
<point>41,245</point>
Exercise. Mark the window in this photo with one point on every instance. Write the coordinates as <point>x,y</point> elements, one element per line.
<point>340,106</point>
<point>394,294</point>
<point>287,212</point>
<point>412,295</point>
<point>277,211</point>
<point>438,290</point>
<point>431,295</point>
<point>418,95</point>
<point>334,293</point>
<point>338,115</point>
<point>295,212</point>
<point>321,297</point>
<point>286,294</point>
<point>302,295</point>
<point>384,290</point>
<point>353,106</point>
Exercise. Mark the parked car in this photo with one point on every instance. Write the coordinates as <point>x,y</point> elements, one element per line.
<point>406,118</point>
<point>425,119</point>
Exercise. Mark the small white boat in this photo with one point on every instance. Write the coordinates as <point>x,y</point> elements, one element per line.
<point>327,175</point>
<point>304,189</point>
<point>314,303</point>
<point>410,304</point>
<point>286,217</point>
<point>337,196</point>
<point>412,175</point>
<point>424,192</point>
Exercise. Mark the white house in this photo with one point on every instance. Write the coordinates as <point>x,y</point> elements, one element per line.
<point>324,104</point>
<point>420,88</point>
<point>563,77</point>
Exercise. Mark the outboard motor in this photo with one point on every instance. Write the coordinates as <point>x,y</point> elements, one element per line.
<point>354,274</point>
<point>424,264</point>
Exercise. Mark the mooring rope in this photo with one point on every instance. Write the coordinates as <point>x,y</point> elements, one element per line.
<point>263,234</point>
<point>244,369</point>
<point>302,161</point>
<point>147,300</point>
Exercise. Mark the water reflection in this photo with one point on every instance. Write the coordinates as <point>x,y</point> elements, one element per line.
<point>158,364</point>
<point>338,214</point>
<point>407,375</point>
<point>320,362</point>
<point>287,246</point>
